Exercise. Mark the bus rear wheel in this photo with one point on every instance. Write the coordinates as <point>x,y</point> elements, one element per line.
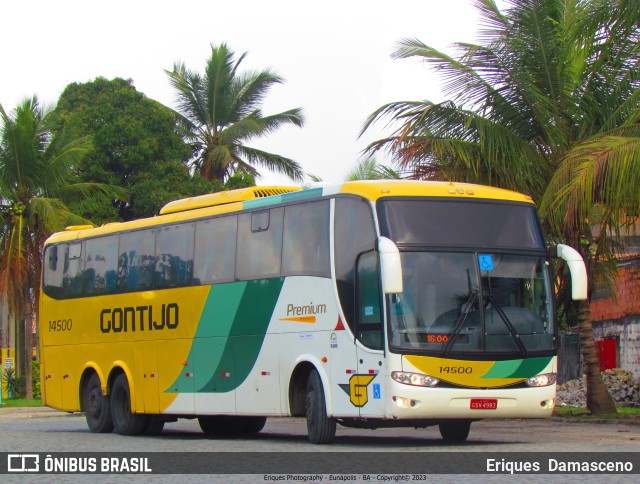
<point>153,425</point>
<point>125,422</point>
<point>229,424</point>
<point>455,431</point>
<point>96,407</point>
<point>321,428</point>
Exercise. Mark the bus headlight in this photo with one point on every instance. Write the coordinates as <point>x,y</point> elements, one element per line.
<point>416,379</point>
<point>543,380</point>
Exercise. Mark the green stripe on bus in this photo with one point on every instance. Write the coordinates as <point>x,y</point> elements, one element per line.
<point>525,368</point>
<point>531,367</point>
<point>285,197</point>
<point>502,369</point>
<point>230,334</point>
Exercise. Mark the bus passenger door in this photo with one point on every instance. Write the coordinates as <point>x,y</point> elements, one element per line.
<point>368,389</point>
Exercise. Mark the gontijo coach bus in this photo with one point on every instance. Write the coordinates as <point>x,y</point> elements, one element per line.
<point>369,304</point>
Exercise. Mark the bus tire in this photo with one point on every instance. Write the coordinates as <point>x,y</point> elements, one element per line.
<point>124,421</point>
<point>455,431</point>
<point>96,407</point>
<point>321,428</point>
<point>154,425</point>
<point>255,424</point>
<point>230,424</point>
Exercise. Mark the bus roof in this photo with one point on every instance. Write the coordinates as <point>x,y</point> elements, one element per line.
<point>256,197</point>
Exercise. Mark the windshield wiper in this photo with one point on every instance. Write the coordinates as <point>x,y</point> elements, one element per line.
<point>466,309</point>
<point>507,323</point>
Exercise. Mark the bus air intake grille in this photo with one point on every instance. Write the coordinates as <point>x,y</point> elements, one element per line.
<point>223,198</point>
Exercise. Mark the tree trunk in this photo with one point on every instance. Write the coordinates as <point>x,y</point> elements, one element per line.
<point>20,358</point>
<point>28,348</point>
<point>599,401</point>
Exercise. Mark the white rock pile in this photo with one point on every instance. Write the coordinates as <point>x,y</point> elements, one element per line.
<point>623,388</point>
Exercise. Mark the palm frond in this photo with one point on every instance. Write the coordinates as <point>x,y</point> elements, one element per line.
<point>271,161</point>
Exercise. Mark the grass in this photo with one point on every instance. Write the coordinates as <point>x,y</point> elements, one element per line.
<point>21,402</point>
<point>583,413</point>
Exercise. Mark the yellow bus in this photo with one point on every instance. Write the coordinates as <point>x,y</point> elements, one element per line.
<point>367,304</point>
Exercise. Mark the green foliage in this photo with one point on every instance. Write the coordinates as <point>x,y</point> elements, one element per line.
<point>12,383</point>
<point>35,378</point>
<point>137,145</point>
<point>37,189</point>
<point>221,112</point>
<point>22,402</point>
<point>369,169</point>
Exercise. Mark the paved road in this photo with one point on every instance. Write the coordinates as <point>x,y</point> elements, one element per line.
<point>46,430</point>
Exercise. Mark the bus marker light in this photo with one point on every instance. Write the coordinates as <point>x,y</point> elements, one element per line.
<point>324,359</point>
<point>266,373</point>
<point>225,374</point>
<point>184,363</point>
<point>188,375</point>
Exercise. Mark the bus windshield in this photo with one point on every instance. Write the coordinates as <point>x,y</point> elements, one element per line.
<point>457,302</point>
<point>472,302</point>
<point>475,277</point>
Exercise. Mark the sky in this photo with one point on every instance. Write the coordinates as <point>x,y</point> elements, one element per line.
<point>335,57</point>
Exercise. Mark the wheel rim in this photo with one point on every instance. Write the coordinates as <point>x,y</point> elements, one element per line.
<point>94,403</point>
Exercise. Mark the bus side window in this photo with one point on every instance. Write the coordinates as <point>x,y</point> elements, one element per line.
<point>215,252</point>
<point>72,279</point>
<point>354,234</point>
<point>101,265</point>
<point>136,260</point>
<point>305,247</point>
<point>259,244</point>
<point>54,270</point>
<point>369,322</point>
<point>174,256</point>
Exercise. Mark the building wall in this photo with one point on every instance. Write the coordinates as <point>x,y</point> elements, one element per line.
<point>620,319</point>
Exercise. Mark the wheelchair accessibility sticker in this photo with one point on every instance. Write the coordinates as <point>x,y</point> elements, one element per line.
<point>486,262</point>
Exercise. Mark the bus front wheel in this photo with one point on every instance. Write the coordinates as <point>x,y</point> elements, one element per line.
<point>321,428</point>
<point>124,421</point>
<point>455,431</point>
<point>96,407</point>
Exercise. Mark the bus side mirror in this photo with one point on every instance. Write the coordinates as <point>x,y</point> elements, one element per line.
<point>391,268</point>
<point>577,269</point>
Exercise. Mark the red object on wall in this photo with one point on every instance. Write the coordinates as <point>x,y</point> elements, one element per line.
<point>607,353</point>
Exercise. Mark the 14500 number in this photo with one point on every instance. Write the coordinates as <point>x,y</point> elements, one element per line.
<point>456,369</point>
<point>60,325</point>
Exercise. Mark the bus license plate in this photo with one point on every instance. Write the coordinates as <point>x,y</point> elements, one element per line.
<point>483,404</point>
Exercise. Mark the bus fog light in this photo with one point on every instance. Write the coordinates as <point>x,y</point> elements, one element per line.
<point>548,403</point>
<point>415,379</point>
<point>543,380</point>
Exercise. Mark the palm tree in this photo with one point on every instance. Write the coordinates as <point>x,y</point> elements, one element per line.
<point>36,179</point>
<point>368,168</point>
<point>220,112</point>
<point>548,104</point>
